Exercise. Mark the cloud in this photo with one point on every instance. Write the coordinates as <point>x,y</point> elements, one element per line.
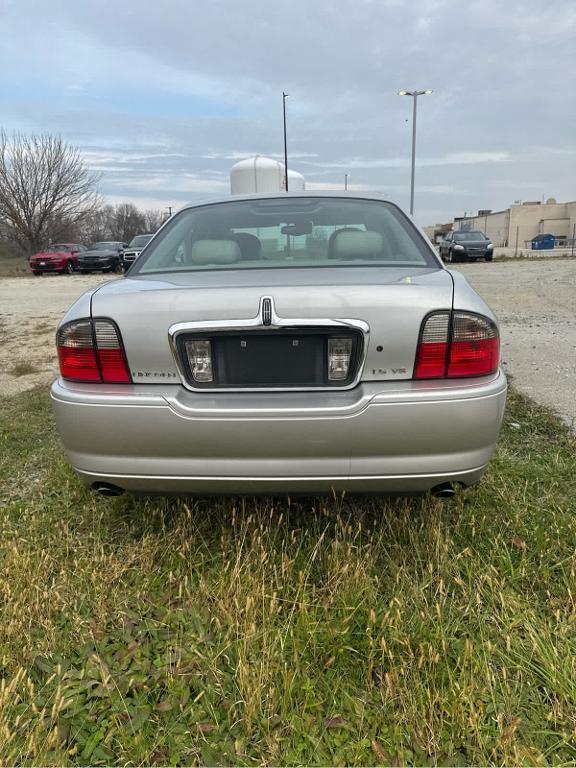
<point>238,155</point>
<point>456,158</point>
<point>165,101</point>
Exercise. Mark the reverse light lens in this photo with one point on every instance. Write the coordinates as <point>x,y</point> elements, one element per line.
<point>199,353</point>
<point>339,354</point>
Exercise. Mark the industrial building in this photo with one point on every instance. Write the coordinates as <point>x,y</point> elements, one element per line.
<point>515,227</point>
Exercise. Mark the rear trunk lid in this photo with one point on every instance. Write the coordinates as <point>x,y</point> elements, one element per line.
<point>391,301</point>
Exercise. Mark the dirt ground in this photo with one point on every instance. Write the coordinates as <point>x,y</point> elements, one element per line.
<point>535,302</point>
<point>30,309</point>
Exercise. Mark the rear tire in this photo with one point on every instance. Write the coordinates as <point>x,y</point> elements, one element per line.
<point>69,268</point>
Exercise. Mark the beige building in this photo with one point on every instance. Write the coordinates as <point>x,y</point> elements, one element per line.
<point>517,225</point>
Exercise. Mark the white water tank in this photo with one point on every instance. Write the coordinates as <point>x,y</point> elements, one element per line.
<point>262,174</point>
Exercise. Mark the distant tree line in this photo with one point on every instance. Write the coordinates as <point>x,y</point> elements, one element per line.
<point>47,194</point>
<point>118,222</point>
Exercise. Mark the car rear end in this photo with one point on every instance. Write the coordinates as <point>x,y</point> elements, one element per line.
<point>224,375</point>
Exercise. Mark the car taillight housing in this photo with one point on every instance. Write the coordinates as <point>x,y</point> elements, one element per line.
<point>455,345</point>
<point>92,351</point>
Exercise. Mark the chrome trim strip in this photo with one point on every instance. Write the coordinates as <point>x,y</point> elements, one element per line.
<point>266,312</point>
<point>283,478</point>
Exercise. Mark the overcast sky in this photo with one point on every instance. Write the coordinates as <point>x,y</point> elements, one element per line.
<point>163,97</point>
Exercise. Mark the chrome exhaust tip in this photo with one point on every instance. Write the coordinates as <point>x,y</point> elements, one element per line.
<point>443,491</point>
<point>107,489</point>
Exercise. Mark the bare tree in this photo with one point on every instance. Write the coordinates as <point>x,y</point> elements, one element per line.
<point>118,222</point>
<point>98,225</point>
<point>128,221</point>
<point>154,218</point>
<point>45,188</point>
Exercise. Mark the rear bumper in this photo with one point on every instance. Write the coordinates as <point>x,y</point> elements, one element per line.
<point>396,437</point>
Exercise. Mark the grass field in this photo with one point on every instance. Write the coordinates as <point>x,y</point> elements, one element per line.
<point>252,632</point>
<point>13,266</point>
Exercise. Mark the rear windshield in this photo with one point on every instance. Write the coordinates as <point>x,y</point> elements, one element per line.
<point>277,233</point>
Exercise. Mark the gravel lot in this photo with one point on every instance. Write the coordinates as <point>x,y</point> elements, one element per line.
<point>535,302</point>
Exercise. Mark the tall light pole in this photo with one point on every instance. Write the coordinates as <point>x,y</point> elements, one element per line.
<point>414,95</point>
<point>346,180</point>
<point>284,96</point>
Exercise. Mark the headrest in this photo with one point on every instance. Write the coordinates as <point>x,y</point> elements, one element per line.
<point>357,244</point>
<point>250,246</point>
<point>215,252</point>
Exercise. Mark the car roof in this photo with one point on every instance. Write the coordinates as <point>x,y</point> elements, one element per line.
<point>338,194</point>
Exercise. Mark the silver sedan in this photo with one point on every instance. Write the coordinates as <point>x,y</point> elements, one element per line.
<point>300,342</point>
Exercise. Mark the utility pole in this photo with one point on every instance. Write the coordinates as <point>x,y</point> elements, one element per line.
<point>284,96</point>
<point>414,95</point>
<point>169,209</point>
<point>346,180</point>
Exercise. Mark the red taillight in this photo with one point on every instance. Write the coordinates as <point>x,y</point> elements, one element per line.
<point>91,351</point>
<point>464,344</point>
<point>433,347</point>
<point>110,353</point>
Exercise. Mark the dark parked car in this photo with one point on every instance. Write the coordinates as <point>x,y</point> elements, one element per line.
<point>105,256</point>
<point>59,257</point>
<point>466,246</point>
<point>132,252</point>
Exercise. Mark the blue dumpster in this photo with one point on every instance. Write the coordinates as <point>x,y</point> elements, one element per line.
<point>543,242</point>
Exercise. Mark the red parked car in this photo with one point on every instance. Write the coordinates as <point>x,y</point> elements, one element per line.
<point>59,257</point>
